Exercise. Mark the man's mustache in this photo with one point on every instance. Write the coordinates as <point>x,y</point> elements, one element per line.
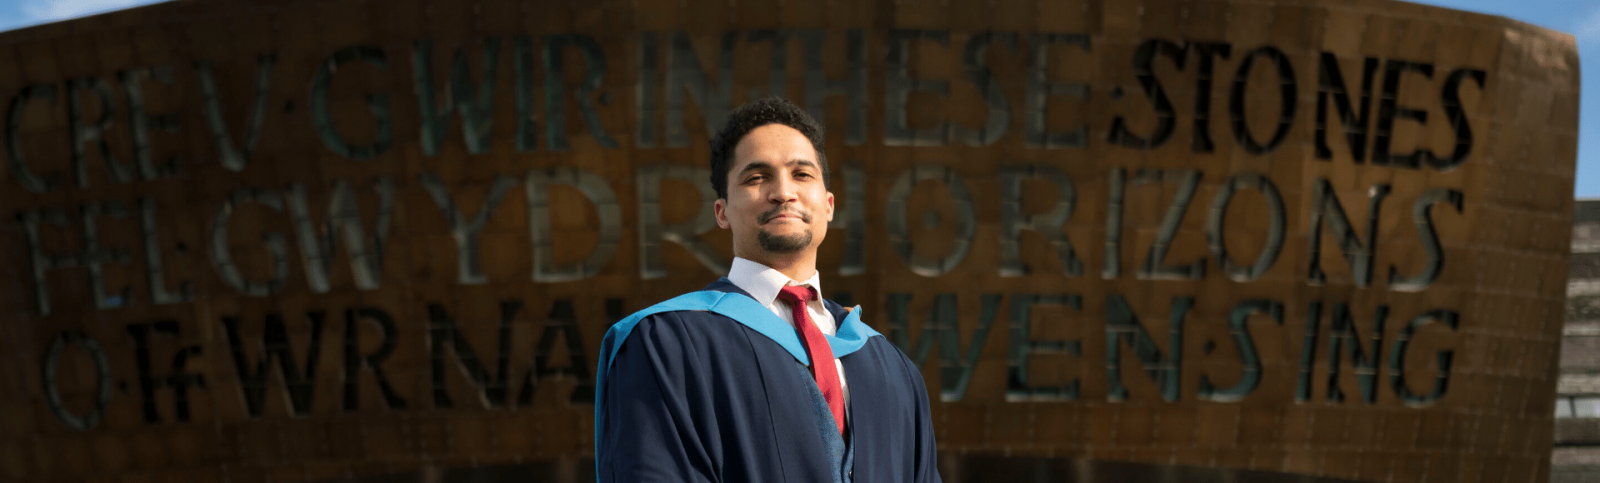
<point>767,216</point>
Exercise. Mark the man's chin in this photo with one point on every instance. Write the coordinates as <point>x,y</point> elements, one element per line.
<point>785,241</point>
<point>785,229</point>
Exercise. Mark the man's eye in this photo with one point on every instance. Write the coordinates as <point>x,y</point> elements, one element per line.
<point>802,175</point>
<point>753,179</point>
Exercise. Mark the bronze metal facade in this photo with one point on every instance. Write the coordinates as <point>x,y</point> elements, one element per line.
<point>323,240</point>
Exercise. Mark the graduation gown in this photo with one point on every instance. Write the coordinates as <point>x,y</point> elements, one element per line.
<point>686,393</point>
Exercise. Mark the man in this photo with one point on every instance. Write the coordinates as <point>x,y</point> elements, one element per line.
<point>718,385</point>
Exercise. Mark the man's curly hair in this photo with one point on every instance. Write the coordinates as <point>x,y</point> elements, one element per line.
<point>772,110</point>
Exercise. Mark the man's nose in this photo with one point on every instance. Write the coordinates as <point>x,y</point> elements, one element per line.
<point>782,190</point>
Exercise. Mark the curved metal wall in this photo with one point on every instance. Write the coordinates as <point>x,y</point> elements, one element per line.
<point>307,241</point>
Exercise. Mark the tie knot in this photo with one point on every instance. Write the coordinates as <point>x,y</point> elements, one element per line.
<point>797,293</point>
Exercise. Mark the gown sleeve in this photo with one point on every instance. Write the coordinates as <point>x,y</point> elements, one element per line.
<point>926,467</point>
<point>648,432</point>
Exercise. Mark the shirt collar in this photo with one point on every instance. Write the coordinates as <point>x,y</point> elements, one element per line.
<point>763,282</point>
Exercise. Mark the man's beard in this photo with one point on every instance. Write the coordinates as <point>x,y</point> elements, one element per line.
<point>784,244</point>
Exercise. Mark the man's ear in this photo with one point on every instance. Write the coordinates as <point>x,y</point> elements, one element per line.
<point>830,206</point>
<point>720,207</point>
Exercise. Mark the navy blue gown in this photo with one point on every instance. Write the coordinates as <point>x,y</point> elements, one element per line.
<point>696,396</point>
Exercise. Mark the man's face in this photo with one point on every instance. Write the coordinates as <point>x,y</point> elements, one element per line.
<point>777,201</point>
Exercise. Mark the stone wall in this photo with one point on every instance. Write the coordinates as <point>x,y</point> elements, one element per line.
<point>1575,457</point>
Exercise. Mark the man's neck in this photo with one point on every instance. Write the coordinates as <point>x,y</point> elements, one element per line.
<point>798,268</point>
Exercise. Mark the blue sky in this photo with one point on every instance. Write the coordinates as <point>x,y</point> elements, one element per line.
<point>1578,17</point>
<point>22,13</point>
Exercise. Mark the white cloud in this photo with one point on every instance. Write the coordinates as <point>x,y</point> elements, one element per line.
<point>53,10</point>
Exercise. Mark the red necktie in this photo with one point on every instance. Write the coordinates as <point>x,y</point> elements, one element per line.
<point>822,366</point>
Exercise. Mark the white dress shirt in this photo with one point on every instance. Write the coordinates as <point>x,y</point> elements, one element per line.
<point>764,283</point>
